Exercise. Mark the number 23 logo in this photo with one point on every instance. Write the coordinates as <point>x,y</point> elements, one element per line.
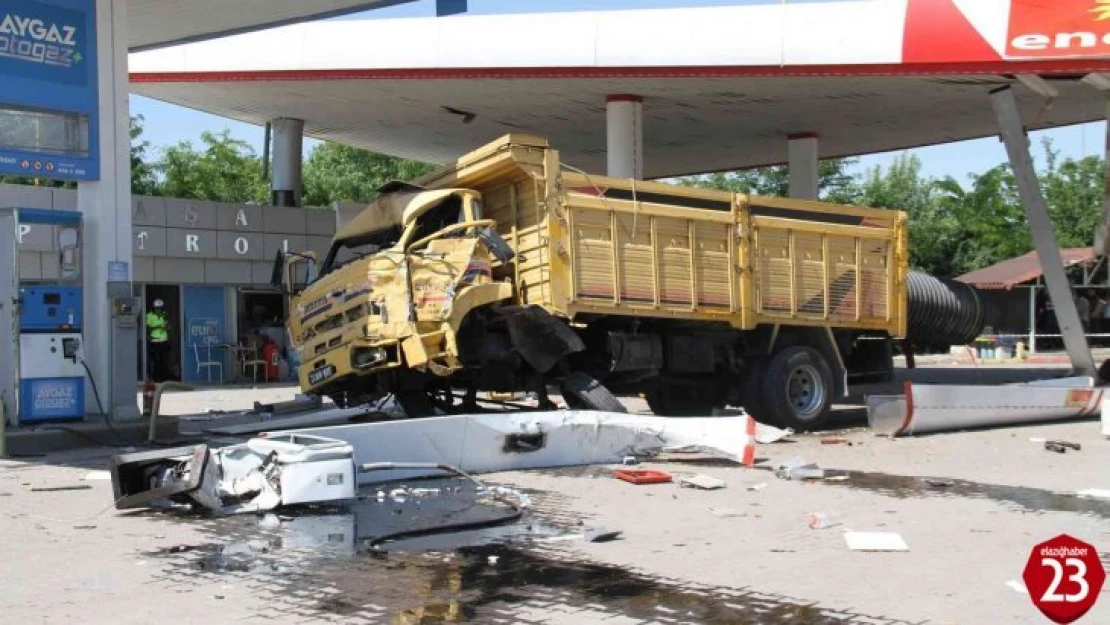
<point>1052,595</point>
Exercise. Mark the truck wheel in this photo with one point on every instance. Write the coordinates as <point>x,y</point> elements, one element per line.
<point>583,392</point>
<point>797,389</point>
<point>671,399</point>
<point>752,390</point>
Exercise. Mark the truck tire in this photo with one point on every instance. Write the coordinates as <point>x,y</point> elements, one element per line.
<point>583,392</point>
<point>677,399</point>
<point>797,389</point>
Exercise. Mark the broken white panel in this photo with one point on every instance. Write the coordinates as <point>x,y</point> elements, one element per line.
<point>937,407</point>
<point>767,434</point>
<point>1094,493</point>
<point>507,442</point>
<point>875,541</point>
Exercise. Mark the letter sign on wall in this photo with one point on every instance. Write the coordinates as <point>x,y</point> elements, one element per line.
<point>241,246</point>
<point>191,243</point>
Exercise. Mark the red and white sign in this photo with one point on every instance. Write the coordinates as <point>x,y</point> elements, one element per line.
<point>1064,576</point>
<point>1059,29</point>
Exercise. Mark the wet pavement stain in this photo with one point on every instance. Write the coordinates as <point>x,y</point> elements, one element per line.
<point>1024,498</point>
<point>320,565</point>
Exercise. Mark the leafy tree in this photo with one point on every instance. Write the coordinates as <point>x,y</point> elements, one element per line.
<point>223,169</point>
<point>335,172</point>
<point>835,182</point>
<point>144,180</point>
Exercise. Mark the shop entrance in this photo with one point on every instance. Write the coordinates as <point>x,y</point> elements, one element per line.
<point>163,361</point>
<point>261,323</point>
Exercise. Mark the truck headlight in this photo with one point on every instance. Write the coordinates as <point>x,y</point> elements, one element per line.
<point>363,357</point>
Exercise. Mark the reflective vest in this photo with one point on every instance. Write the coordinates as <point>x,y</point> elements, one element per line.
<point>156,327</point>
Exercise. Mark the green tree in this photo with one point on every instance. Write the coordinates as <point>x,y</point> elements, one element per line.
<point>1074,190</point>
<point>335,172</point>
<point>223,169</point>
<point>144,179</point>
<point>835,182</point>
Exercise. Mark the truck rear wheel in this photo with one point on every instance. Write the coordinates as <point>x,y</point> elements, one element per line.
<point>680,399</point>
<point>797,389</point>
<point>583,392</point>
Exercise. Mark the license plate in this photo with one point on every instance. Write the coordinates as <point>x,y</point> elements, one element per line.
<point>319,375</point>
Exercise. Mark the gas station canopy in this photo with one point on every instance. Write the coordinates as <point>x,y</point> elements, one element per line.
<point>154,23</point>
<point>722,87</point>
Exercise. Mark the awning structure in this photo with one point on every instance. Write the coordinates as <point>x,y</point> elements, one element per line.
<point>1010,273</point>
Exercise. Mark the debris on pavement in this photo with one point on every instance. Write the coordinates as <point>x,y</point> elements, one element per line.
<point>1017,587</point>
<point>875,541</point>
<point>767,434</point>
<point>639,477</point>
<point>798,469</point>
<point>757,487</point>
<point>53,489</point>
<point>600,535</point>
<point>1061,447</point>
<point>630,461</point>
<point>838,478</point>
<point>836,440</point>
<point>703,482</point>
<point>935,483</point>
<point>822,520</point>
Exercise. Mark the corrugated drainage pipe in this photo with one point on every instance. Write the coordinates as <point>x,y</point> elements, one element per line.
<point>943,311</point>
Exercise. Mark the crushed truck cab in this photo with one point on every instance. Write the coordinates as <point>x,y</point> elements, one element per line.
<point>503,272</point>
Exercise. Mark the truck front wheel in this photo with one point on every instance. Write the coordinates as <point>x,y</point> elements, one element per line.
<point>797,389</point>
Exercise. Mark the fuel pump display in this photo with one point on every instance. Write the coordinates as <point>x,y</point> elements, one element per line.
<point>52,378</point>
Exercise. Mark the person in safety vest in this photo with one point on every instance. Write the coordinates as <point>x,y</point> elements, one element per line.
<point>158,342</point>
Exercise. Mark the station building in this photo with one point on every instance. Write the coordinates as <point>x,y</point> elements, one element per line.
<point>209,262</point>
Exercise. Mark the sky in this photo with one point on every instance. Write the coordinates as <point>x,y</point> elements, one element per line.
<point>167,124</point>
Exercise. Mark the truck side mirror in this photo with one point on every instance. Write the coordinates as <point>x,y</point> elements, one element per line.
<point>497,245</point>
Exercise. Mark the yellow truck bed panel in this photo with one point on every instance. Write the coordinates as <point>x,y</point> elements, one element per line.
<point>597,245</point>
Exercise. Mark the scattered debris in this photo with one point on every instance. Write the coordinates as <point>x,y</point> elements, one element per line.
<point>703,482</point>
<point>643,476</point>
<point>52,489</point>
<point>726,513</point>
<point>84,527</point>
<point>836,440</point>
<point>630,461</point>
<point>837,478</point>
<point>757,487</point>
<point>935,483</point>
<point>767,434</point>
<point>600,535</point>
<point>1094,493</point>
<point>822,520</point>
<point>97,476</point>
<point>875,541</point>
<point>798,469</point>
<point>1061,447</point>
<point>1017,587</point>
<point>269,521</point>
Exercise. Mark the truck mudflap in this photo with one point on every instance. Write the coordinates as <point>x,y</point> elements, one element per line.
<point>539,337</point>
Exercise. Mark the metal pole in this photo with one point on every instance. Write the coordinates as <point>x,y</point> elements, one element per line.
<point>1044,238</point>
<point>1033,319</point>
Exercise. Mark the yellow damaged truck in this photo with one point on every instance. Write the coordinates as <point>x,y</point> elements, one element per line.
<point>507,272</point>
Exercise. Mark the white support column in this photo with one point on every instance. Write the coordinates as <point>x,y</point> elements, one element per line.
<point>802,166</point>
<point>285,183</point>
<point>106,208</point>
<point>624,132</point>
<point>1044,237</point>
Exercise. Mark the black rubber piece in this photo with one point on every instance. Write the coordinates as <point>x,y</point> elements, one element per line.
<point>416,404</point>
<point>943,311</point>
<point>778,408</point>
<point>680,399</point>
<point>582,391</point>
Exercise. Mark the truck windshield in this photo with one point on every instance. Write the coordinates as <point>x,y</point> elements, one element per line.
<point>347,250</point>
